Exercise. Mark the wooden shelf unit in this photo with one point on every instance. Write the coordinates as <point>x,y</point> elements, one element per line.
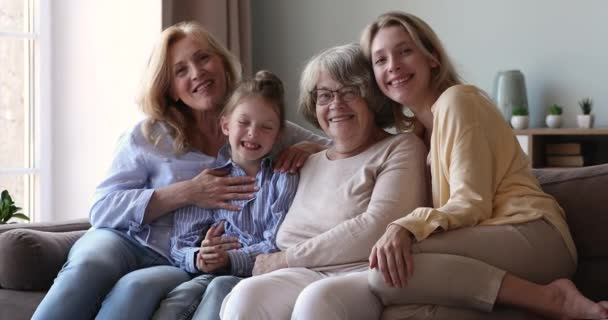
<point>594,143</point>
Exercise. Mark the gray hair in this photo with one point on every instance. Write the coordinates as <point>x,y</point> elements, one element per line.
<point>345,64</point>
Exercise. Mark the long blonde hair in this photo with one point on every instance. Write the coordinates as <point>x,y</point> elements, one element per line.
<point>425,39</point>
<point>155,100</point>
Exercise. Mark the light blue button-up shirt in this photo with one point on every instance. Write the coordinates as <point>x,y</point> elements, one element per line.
<point>255,225</point>
<point>139,167</point>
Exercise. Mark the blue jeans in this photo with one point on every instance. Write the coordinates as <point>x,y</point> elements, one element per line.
<point>199,298</point>
<point>109,275</point>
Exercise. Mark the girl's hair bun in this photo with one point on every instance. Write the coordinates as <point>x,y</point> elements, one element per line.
<point>269,85</point>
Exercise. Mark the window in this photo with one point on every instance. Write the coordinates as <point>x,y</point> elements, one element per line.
<point>20,109</point>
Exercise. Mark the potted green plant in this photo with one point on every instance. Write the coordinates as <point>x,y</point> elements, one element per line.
<point>585,120</point>
<point>519,118</point>
<point>554,116</point>
<point>8,210</point>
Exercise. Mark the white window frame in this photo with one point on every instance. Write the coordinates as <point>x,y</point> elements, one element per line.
<point>39,193</point>
<point>44,211</point>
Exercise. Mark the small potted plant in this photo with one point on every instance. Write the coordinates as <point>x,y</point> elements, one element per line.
<point>8,210</point>
<point>519,118</point>
<point>554,116</point>
<point>585,120</point>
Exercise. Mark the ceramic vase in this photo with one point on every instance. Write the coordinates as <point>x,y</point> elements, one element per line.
<point>519,122</point>
<point>510,91</point>
<point>554,120</point>
<point>584,121</point>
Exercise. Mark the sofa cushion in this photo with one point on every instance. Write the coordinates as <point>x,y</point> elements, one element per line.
<point>60,226</point>
<point>31,259</point>
<point>582,193</point>
<point>591,278</point>
<point>19,305</point>
<point>444,312</point>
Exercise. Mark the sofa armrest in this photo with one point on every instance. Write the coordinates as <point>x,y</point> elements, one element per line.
<point>61,226</point>
<point>30,259</point>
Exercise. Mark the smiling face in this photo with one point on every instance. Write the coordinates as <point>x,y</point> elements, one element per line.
<point>348,124</point>
<point>198,75</point>
<point>252,129</point>
<point>401,69</point>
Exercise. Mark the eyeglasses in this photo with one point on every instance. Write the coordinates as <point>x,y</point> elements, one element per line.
<point>323,97</point>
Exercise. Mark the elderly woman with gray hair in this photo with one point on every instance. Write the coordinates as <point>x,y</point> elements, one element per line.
<point>346,197</point>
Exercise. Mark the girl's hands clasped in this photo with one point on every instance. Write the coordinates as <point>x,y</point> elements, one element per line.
<point>392,256</point>
<point>212,189</point>
<point>213,256</point>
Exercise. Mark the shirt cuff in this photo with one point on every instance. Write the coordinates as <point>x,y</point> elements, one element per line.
<point>290,257</point>
<point>240,263</point>
<point>420,228</point>
<point>190,260</point>
<point>140,210</point>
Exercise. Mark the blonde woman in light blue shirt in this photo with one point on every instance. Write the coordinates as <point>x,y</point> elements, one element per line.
<point>122,268</point>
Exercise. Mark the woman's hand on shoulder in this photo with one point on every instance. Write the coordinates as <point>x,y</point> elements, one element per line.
<point>265,263</point>
<point>213,256</point>
<point>212,189</point>
<point>392,256</point>
<point>292,158</point>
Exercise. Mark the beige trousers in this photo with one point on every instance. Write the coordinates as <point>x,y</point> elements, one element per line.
<point>464,268</point>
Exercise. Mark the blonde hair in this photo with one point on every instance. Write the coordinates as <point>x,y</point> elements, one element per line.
<point>155,99</point>
<point>345,64</point>
<point>266,85</point>
<point>425,39</point>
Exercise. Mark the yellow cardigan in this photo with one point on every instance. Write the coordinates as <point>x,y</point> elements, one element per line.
<point>480,175</point>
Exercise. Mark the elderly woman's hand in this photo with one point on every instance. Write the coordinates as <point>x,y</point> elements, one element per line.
<point>392,256</point>
<point>292,159</point>
<point>212,256</point>
<point>211,189</point>
<point>265,263</point>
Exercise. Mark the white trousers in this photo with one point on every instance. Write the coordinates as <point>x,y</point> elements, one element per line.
<point>457,269</point>
<point>300,293</point>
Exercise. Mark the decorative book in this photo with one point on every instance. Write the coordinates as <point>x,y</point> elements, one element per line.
<point>565,161</point>
<point>563,148</point>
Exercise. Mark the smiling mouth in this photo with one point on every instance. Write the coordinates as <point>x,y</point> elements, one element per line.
<point>400,81</point>
<point>250,145</point>
<point>202,86</point>
<point>341,118</point>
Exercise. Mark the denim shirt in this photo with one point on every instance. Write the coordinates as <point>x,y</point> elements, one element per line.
<point>139,167</point>
<point>255,225</point>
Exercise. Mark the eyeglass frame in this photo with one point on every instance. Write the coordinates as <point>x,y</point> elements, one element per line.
<point>334,93</point>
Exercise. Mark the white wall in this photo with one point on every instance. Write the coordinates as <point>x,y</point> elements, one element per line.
<point>99,49</point>
<point>560,46</point>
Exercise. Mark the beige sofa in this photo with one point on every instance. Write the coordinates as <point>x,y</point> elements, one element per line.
<point>32,254</point>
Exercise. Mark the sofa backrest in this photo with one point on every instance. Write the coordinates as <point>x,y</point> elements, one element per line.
<point>583,193</point>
